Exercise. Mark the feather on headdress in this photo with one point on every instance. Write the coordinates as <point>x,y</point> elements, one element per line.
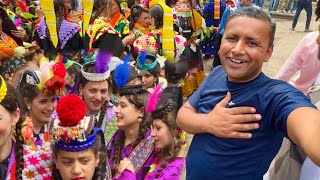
<point>154,98</point>
<point>122,72</point>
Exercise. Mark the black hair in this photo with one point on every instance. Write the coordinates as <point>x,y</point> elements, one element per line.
<point>259,14</point>
<point>136,12</point>
<point>156,12</point>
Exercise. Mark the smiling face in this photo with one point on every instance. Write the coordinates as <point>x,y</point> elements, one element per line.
<point>77,165</point>
<point>94,95</point>
<point>42,107</point>
<point>127,114</point>
<point>161,133</point>
<point>244,50</point>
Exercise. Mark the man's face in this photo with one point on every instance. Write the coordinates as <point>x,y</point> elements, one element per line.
<point>246,2</point>
<point>318,42</point>
<point>243,50</point>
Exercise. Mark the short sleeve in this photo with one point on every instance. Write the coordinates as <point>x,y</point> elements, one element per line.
<point>285,101</point>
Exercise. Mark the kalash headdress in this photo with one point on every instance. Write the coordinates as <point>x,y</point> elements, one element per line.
<point>73,131</point>
<point>159,110</point>
<point>132,89</point>
<point>50,78</point>
<point>101,65</point>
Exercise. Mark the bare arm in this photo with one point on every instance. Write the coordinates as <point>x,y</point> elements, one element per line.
<point>221,121</point>
<point>303,126</point>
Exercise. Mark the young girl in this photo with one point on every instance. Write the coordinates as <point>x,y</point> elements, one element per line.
<point>39,90</point>
<point>139,21</point>
<point>78,148</point>
<point>11,156</point>
<point>94,89</point>
<point>168,140</point>
<point>133,139</point>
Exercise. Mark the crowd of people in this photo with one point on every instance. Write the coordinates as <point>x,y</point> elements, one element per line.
<point>96,90</point>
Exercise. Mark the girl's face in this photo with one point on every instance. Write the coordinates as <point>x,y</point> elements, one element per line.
<point>144,19</point>
<point>148,80</point>
<point>77,165</point>
<point>7,121</point>
<point>127,114</point>
<point>161,133</point>
<point>94,95</point>
<point>42,107</point>
<point>113,8</point>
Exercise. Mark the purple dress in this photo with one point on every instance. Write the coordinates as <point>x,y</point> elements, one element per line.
<point>172,171</point>
<point>126,152</point>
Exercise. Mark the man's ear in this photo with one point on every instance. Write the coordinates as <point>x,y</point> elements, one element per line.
<point>269,53</point>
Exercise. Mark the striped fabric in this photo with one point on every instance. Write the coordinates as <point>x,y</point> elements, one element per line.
<point>48,9</point>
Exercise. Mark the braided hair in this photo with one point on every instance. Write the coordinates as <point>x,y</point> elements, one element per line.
<point>139,100</point>
<point>167,113</point>
<point>11,102</point>
<point>98,7</point>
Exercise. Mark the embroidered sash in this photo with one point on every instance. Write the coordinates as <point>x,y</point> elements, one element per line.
<point>109,126</point>
<point>140,154</point>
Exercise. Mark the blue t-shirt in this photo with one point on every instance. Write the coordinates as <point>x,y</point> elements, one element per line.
<point>215,158</point>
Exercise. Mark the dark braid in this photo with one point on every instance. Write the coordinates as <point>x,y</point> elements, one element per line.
<point>19,150</point>
<point>103,110</point>
<point>11,103</point>
<point>58,6</point>
<point>139,101</point>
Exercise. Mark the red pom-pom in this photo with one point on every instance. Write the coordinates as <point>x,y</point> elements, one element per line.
<point>59,69</point>
<point>23,6</point>
<point>71,110</point>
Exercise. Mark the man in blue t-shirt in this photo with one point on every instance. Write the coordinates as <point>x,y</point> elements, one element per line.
<point>237,138</point>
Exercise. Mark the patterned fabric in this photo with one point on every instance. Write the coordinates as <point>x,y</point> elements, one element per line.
<point>11,66</point>
<point>149,44</point>
<point>67,31</point>
<point>172,171</point>
<point>120,24</point>
<point>97,28</point>
<point>109,124</point>
<point>138,30</point>
<point>37,158</point>
<point>48,9</point>
<point>192,83</point>
<point>7,45</point>
<point>41,28</point>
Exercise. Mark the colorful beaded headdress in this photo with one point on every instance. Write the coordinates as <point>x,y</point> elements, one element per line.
<point>50,78</point>
<point>101,65</point>
<point>73,131</point>
<point>3,89</point>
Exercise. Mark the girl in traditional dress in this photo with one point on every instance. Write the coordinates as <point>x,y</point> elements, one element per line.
<point>133,138</point>
<point>139,21</point>
<point>102,34</point>
<point>39,90</point>
<point>78,148</point>
<point>11,156</point>
<point>8,42</point>
<point>169,140</point>
<point>94,87</point>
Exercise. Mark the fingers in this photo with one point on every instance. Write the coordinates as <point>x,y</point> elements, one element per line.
<point>225,101</point>
<point>241,110</point>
